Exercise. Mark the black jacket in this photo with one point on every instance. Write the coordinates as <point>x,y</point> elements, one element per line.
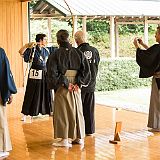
<point>67,58</point>
<point>148,60</point>
<point>92,55</point>
<point>7,85</point>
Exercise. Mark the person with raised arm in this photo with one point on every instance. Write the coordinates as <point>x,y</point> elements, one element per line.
<point>148,58</point>
<point>37,99</point>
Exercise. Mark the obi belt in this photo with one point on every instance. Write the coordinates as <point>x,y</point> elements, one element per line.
<point>71,74</point>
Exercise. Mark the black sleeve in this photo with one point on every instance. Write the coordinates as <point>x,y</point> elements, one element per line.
<point>52,49</point>
<point>97,58</point>
<point>54,77</point>
<point>27,55</point>
<point>84,74</point>
<point>148,60</point>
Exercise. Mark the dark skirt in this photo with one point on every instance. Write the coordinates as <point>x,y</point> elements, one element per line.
<point>37,97</point>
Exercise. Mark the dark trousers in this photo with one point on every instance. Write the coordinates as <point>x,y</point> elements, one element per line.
<point>88,102</point>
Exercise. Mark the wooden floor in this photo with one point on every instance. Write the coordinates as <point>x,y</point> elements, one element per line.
<point>33,141</point>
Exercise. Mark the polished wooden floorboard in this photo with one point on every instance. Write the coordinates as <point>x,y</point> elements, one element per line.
<point>33,141</point>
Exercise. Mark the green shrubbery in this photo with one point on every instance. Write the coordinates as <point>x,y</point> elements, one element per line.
<point>119,74</point>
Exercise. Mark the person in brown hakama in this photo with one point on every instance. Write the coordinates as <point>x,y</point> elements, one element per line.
<point>67,71</point>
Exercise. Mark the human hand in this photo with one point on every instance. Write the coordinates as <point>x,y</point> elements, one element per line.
<point>73,87</point>
<point>140,41</point>
<point>76,87</point>
<point>70,87</point>
<point>135,42</point>
<point>10,99</point>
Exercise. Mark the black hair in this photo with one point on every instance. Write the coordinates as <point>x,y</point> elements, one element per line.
<point>62,36</point>
<point>40,37</point>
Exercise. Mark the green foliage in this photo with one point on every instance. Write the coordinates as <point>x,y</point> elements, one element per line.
<point>131,28</point>
<point>32,3</point>
<point>98,36</point>
<point>98,26</point>
<point>101,41</point>
<point>119,74</point>
<point>40,26</point>
<point>134,29</point>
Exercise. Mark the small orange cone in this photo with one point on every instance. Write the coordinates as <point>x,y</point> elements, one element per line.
<point>117,133</point>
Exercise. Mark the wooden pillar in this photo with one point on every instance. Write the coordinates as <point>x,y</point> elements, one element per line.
<point>25,39</point>
<point>25,20</point>
<point>49,31</point>
<point>112,37</point>
<point>84,26</point>
<point>146,30</point>
<point>116,40</point>
<point>74,29</point>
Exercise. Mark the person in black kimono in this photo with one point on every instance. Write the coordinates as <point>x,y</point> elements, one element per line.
<point>7,88</point>
<point>149,61</point>
<point>37,97</point>
<point>87,93</point>
<point>67,71</point>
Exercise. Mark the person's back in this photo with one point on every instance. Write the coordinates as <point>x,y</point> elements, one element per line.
<point>67,71</point>
<point>87,94</point>
<point>92,55</point>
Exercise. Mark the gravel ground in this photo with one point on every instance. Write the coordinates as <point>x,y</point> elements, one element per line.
<point>129,99</point>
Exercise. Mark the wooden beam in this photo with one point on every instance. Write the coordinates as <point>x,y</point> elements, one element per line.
<point>153,21</point>
<point>57,16</point>
<point>43,8</point>
<point>74,29</point>
<point>146,30</point>
<point>112,37</point>
<point>49,30</point>
<point>51,10</point>
<point>25,0</point>
<point>84,26</point>
<point>130,22</point>
<point>25,38</point>
<point>116,40</point>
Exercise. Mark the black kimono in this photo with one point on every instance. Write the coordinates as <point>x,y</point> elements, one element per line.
<point>68,65</point>
<point>37,97</point>
<point>87,93</point>
<point>149,62</point>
